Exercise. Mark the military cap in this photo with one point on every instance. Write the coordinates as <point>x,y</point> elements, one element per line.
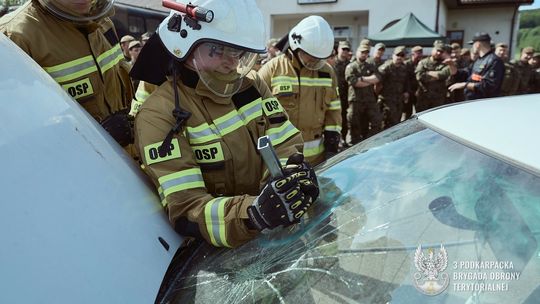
<point>363,47</point>
<point>481,36</point>
<point>400,49</point>
<point>365,41</point>
<point>127,38</point>
<point>455,46</point>
<point>379,46</point>
<point>344,45</point>
<point>501,45</point>
<point>417,49</point>
<point>439,45</point>
<point>536,55</point>
<point>134,43</point>
<point>528,50</point>
<point>465,51</point>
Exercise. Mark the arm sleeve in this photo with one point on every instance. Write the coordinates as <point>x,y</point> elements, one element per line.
<point>332,115</point>
<point>265,74</point>
<point>351,75</point>
<point>191,209</point>
<point>445,73</point>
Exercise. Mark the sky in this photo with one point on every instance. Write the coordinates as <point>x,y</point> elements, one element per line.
<point>535,5</point>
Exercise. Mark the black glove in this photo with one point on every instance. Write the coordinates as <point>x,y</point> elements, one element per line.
<point>120,126</point>
<point>331,143</point>
<point>283,201</point>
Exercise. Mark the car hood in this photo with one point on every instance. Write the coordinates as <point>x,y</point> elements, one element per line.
<point>79,221</point>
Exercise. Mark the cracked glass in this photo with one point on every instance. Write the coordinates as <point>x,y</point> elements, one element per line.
<point>380,200</point>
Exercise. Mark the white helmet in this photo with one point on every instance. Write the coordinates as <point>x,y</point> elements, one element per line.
<point>314,36</point>
<point>235,30</point>
<point>78,12</point>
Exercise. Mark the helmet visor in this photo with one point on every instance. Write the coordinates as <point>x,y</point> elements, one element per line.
<point>310,62</point>
<point>79,11</point>
<point>222,68</point>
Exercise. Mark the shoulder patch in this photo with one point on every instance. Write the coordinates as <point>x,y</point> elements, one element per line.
<point>151,154</point>
<point>271,106</point>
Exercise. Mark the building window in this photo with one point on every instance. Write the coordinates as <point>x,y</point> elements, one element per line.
<point>455,36</point>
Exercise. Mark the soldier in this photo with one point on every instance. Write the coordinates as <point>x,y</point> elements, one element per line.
<point>432,73</point>
<point>378,54</point>
<point>485,77</point>
<point>343,58</point>
<point>535,77</point>
<point>361,77</point>
<point>395,88</point>
<point>524,69</point>
<point>511,78</point>
<point>411,64</point>
<point>457,95</point>
<point>465,55</point>
<point>306,86</point>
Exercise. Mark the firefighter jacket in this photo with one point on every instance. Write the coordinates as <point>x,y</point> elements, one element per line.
<point>487,73</point>
<point>85,60</point>
<point>309,97</point>
<point>213,171</point>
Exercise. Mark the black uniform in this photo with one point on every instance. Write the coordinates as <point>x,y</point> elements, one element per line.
<point>487,74</point>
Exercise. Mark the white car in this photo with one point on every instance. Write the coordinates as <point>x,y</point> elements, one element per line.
<point>79,222</point>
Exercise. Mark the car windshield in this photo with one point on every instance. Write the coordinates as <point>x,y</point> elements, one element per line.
<point>399,198</point>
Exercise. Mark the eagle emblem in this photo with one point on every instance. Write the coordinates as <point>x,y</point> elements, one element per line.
<point>430,279</point>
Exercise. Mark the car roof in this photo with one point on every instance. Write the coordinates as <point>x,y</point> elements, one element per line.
<point>505,127</point>
<point>79,222</point>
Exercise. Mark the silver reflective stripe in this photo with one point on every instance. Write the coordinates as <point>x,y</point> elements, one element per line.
<point>214,212</point>
<point>181,181</point>
<point>226,124</point>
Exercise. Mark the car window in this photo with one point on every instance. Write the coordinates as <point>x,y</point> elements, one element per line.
<point>383,203</point>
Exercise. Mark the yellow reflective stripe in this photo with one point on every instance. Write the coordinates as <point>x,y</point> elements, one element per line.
<point>162,197</point>
<point>335,105</point>
<point>182,180</point>
<point>282,133</point>
<point>214,214</point>
<point>314,147</point>
<point>251,111</point>
<point>72,69</point>
<point>280,80</point>
<point>228,122</point>
<point>141,95</point>
<point>202,134</point>
<point>110,58</point>
<point>316,82</point>
<point>335,128</point>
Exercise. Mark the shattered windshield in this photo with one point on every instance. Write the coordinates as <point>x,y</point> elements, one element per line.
<point>389,207</point>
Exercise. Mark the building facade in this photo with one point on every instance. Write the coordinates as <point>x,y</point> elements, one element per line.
<point>354,20</point>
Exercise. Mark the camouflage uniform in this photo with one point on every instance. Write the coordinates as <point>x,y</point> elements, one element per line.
<point>511,80</point>
<point>343,88</point>
<point>394,84</point>
<point>525,72</point>
<point>364,104</point>
<point>431,92</point>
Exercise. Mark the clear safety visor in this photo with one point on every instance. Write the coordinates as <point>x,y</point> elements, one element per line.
<point>310,62</point>
<point>222,68</point>
<point>79,11</point>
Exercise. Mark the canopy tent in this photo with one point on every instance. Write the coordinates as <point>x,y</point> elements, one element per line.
<point>407,31</point>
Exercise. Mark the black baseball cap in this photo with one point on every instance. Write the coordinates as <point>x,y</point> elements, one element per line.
<point>480,37</point>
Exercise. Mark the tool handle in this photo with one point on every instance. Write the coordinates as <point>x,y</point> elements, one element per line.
<point>269,156</point>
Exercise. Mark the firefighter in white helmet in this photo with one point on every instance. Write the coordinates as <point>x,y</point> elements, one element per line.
<point>306,86</point>
<point>76,43</point>
<point>197,131</point>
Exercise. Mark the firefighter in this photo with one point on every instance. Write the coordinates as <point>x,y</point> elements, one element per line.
<point>197,131</point>
<point>76,43</point>
<point>306,86</point>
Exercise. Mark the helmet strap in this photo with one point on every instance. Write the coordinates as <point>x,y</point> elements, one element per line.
<point>179,114</point>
